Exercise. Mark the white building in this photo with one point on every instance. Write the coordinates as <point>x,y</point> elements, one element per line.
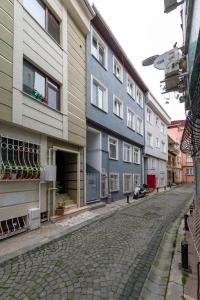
<point>156,143</point>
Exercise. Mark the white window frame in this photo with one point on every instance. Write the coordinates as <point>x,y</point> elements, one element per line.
<point>129,79</point>
<point>157,142</point>
<point>150,142</point>
<point>189,158</point>
<point>142,127</point>
<point>99,41</point>
<point>125,145</point>
<point>121,114</point>
<point>117,188</point>
<point>133,115</point>
<point>131,188</point>
<point>163,147</point>
<point>134,175</point>
<point>157,121</point>
<point>106,185</point>
<point>105,105</point>
<point>140,103</point>
<point>121,73</point>
<point>162,127</point>
<point>149,116</point>
<point>138,162</point>
<point>117,148</point>
<point>189,171</point>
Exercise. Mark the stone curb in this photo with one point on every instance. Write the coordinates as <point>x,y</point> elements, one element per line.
<point>156,283</point>
<point>83,224</point>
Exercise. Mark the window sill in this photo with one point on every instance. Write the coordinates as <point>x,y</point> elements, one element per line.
<point>126,161</point>
<point>99,62</point>
<point>131,128</point>
<point>42,103</point>
<point>114,191</point>
<point>120,80</point>
<point>131,96</point>
<point>121,118</point>
<point>113,158</point>
<point>104,111</point>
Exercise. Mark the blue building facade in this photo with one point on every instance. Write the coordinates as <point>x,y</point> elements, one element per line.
<point>115,117</point>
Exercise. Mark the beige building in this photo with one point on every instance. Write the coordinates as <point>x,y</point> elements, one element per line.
<point>42,108</point>
<point>174,166</point>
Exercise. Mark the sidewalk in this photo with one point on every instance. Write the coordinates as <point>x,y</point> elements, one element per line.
<point>175,287</point>
<point>27,241</point>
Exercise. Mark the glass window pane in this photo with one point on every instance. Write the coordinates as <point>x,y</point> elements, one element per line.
<point>53,27</point>
<point>52,95</point>
<point>100,98</point>
<point>36,10</point>
<point>28,78</point>
<point>39,85</point>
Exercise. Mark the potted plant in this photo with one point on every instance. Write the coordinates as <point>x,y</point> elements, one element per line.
<point>20,173</point>
<point>61,208</point>
<point>7,171</point>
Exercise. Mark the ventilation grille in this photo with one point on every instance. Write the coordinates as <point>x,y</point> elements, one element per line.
<point>12,226</point>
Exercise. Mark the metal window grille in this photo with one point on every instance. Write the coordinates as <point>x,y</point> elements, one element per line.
<point>127,183</point>
<point>12,226</point>
<point>19,159</point>
<point>114,182</point>
<point>104,185</point>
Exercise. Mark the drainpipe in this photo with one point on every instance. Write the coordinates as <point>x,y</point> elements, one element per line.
<point>108,170</point>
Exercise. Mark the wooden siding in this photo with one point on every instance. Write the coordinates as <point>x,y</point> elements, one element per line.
<point>6,59</point>
<point>76,84</point>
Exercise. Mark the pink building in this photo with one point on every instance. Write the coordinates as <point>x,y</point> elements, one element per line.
<point>175,131</point>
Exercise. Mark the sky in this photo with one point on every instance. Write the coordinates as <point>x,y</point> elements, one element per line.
<point>143,30</point>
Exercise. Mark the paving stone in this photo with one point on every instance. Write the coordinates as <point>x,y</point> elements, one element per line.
<point>108,259</point>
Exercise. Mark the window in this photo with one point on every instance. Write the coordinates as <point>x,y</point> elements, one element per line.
<point>163,147</point>
<point>139,97</point>
<point>189,171</point>
<point>99,49</point>
<point>130,119</point>
<point>136,155</point>
<point>113,148</point>
<point>153,163</point>
<point>40,87</point>
<point>139,125</point>
<point>99,95</point>
<point>19,159</point>
<point>127,152</point>
<point>157,142</point>
<point>162,128</point>
<point>118,107</point>
<point>157,121</point>
<point>189,159</point>
<point>114,182</point>
<point>149,139</point>
<point>136,180</point>
<point>149,116</point>
<point>104,185</point>
<point>127,183</point>
<point>130,87</point>
<point>162,181</point>
<point>44,17</point>
<point>117,69</point>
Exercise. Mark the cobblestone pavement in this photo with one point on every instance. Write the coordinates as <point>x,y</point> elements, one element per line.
<point>108,259</point>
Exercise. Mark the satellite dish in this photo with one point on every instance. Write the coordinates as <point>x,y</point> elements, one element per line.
<point>149,61</point>
<point>159,62</point>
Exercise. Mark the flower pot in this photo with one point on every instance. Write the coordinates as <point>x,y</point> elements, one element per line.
<point>60,211</point>
<point>7,175</point>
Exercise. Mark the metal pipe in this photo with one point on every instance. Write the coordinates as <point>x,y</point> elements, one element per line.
<point>198,283</point>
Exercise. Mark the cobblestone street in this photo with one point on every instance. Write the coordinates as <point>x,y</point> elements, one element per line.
<point>108,259</point>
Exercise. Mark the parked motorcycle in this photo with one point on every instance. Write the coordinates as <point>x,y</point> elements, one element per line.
<point>140,191</point>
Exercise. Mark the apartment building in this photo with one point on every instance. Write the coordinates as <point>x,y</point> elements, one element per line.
<point>175,131</point>
<point>42,107</point>
<point>174,163</point>
<point>115,125</point>
<point>156,143</point>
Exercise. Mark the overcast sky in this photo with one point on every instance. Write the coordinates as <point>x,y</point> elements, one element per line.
<point>142,29</point>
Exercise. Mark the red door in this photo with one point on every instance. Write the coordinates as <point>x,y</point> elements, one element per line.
<point>151,181</point>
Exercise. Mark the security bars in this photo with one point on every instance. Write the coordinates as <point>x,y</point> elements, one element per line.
<point>19,159</point>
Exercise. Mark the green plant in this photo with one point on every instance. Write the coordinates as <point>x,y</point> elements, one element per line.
<point>62,204</point>
<point>58,188</point>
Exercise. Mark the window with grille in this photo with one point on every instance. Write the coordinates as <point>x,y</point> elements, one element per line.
<point>149,139</point>
<point>136,155</point>
<point>189,171</point>
<point>104,185</point>
<point>130,119</point>
<point>113,148</point>
<point>127,152</point>
<point>127,183</point>
<point>139,125</point>
<point>41,13</point>
<point>19,159</point>
<point>139,97</point>
<point>136,180</point>
<point>114,182</point>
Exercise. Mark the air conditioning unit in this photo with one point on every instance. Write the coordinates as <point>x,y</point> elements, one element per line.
<point>33,218</point>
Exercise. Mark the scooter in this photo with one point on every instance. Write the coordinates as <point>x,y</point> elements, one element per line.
<point>139,191</point>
